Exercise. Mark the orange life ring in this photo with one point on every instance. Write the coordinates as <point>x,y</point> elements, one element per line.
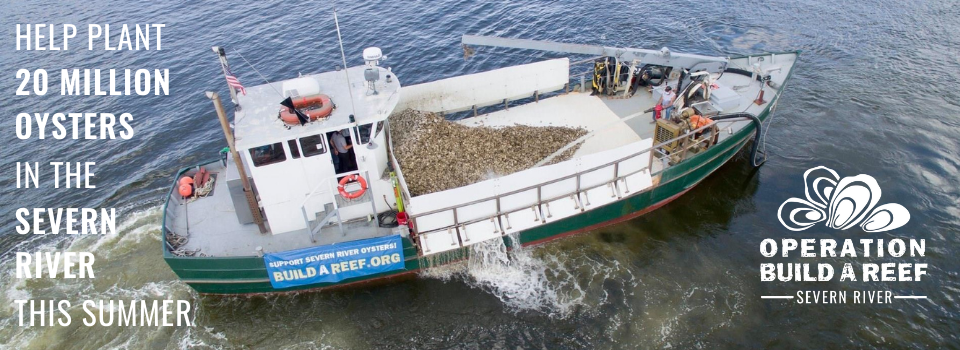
<point>314,107</point>
<point>349,178</point>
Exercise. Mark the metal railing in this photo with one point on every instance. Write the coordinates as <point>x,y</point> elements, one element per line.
<point>314,229</point>
<point>617,177</point>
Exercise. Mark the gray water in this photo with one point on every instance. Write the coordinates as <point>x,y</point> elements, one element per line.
<point>875,92</point>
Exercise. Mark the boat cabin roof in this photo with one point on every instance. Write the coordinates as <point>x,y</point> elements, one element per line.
<point>257,123</point>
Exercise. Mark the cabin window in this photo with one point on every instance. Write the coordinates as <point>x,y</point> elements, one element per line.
<point>379,128</point>
<point>294,151</point>
<point>364,132</point>
<point>268,154</point>
<point>312,145</point>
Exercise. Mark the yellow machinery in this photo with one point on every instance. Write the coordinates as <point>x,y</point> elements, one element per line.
<point>667,130</point>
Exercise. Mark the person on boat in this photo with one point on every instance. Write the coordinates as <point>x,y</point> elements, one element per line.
<point>342,150</point>
<point>666,101</point>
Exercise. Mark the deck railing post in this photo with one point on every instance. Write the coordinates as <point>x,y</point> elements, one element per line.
<point>373,202</point>
<point>306,220</point>
<point>499,219</point>
<point>650,161</point>
<point>336,208</point>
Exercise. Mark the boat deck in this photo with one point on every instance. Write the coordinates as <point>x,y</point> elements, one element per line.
<point>211,225</point>
<point>612,121</point>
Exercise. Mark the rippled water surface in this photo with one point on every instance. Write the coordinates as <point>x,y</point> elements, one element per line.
<point>875,92</point>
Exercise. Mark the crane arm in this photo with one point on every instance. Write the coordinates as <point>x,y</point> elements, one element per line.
<point>662,57</point>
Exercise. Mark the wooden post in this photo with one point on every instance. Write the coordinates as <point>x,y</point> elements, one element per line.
<point>247,190</point>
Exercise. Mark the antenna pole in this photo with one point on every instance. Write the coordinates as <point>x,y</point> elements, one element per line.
<point>353,108</point>
<point>226,71</point>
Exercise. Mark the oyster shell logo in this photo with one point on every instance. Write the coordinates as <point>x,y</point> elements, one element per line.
<point>842,203</point>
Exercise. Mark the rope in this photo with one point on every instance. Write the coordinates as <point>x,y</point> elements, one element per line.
<point>177,241</point>
<point>202,191</point>
<point>258,72</point>
<point>773,113</point>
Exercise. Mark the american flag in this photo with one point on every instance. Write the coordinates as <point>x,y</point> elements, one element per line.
<point>235,83</point>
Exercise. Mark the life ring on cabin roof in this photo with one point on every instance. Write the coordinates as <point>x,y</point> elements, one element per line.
<point>314,107</point>
<point>354,194</point>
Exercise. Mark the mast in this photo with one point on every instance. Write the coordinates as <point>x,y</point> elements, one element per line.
<point>343,56</point>
<point>222,54</point>
<point>247,190</point>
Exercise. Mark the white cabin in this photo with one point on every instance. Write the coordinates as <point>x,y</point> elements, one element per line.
<point>292,166</point>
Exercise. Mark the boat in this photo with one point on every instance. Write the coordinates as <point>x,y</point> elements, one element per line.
<point>278,212</point>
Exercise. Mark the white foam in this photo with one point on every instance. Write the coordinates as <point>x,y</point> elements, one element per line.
<point>131,230</point>
<point>521,280</point>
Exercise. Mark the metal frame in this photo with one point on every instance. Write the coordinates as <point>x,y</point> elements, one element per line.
<point>663,57</point>
<point>617,177</point>
<point>336,207</point>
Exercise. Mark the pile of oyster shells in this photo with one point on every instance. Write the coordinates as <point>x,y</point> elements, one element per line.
<point>436,154</point>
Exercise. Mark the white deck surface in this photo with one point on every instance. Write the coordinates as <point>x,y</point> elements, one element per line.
<point>570,110</point>
<point>211,225</point>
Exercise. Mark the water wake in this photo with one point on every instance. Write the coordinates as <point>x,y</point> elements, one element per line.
<point>517,277</point>
<point>128,267</point>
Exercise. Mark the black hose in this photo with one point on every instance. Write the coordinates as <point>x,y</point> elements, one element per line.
<point>387,219</point>
<point>756,137</point>
<point>742,72</point>
<point>680,81</point>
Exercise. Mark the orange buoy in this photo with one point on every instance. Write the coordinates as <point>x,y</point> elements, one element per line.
<point>355,194</point>
<point>186,190</point>
<point>314,107</point>
<point>186,180</point>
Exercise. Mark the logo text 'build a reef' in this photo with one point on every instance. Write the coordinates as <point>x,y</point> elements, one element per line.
<point>842,203</point>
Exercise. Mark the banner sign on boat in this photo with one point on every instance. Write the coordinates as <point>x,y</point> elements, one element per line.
<point>335,262</point>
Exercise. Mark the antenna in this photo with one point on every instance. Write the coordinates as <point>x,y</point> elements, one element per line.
<point>353,108</point>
